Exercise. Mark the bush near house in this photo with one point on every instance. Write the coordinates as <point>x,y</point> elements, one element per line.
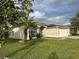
<point>39,35</point>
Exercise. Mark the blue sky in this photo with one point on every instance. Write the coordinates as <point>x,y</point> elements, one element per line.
<point>54,11</point>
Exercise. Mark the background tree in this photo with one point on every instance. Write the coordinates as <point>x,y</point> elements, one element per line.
<point>27,7</point>
<point>74,24</point>
<point>24,7</point>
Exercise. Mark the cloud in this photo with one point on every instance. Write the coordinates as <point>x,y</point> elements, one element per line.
<point>59,17</point>
<point>37,14</point>
<point>66,23</point>
<point>56,18</point>
<point>51,11</point>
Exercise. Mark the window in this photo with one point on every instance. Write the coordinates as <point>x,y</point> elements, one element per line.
<point>12,33</point>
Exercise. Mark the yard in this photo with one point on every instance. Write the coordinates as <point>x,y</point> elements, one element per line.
<point>41,49</point>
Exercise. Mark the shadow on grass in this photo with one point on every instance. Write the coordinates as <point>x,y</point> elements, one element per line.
<point>53,55</point>
<point>26,52</point>
<point>9,40</point>
<point>30,46</point>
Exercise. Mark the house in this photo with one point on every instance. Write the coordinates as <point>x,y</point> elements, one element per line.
<point>20,32</point>
<point>17,32</point>
<point>53,30</point>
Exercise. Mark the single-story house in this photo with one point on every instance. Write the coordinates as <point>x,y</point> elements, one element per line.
<point>21,32</point>
<point>53,30</point>
<point>17,32</point>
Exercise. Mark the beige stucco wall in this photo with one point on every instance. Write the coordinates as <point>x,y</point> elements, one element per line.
<point>17,32</point>
<point>64,32</point>
<point>55,32</point>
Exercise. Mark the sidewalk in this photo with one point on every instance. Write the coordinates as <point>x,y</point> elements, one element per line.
<point>62,38</point>
<point>74,37</point>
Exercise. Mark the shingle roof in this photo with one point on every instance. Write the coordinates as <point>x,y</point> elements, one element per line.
<point>58,26</point>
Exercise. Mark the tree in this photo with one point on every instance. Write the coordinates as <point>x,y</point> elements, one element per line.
<point>29,22</point>
<point>26,8</point>
<point>74,24</point>
<point>8,17</point>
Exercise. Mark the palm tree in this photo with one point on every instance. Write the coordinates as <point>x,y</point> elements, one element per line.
<point>25,9</point>
<point>29,22</point>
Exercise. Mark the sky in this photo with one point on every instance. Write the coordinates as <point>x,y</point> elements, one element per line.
<point>55,11</point>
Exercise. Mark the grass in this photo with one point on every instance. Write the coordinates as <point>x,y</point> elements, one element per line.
<point>41,49</point>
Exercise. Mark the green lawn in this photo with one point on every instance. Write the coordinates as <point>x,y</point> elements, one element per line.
<point>41,49</point>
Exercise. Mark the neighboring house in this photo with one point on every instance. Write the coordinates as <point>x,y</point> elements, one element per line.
<point>56,31</point>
